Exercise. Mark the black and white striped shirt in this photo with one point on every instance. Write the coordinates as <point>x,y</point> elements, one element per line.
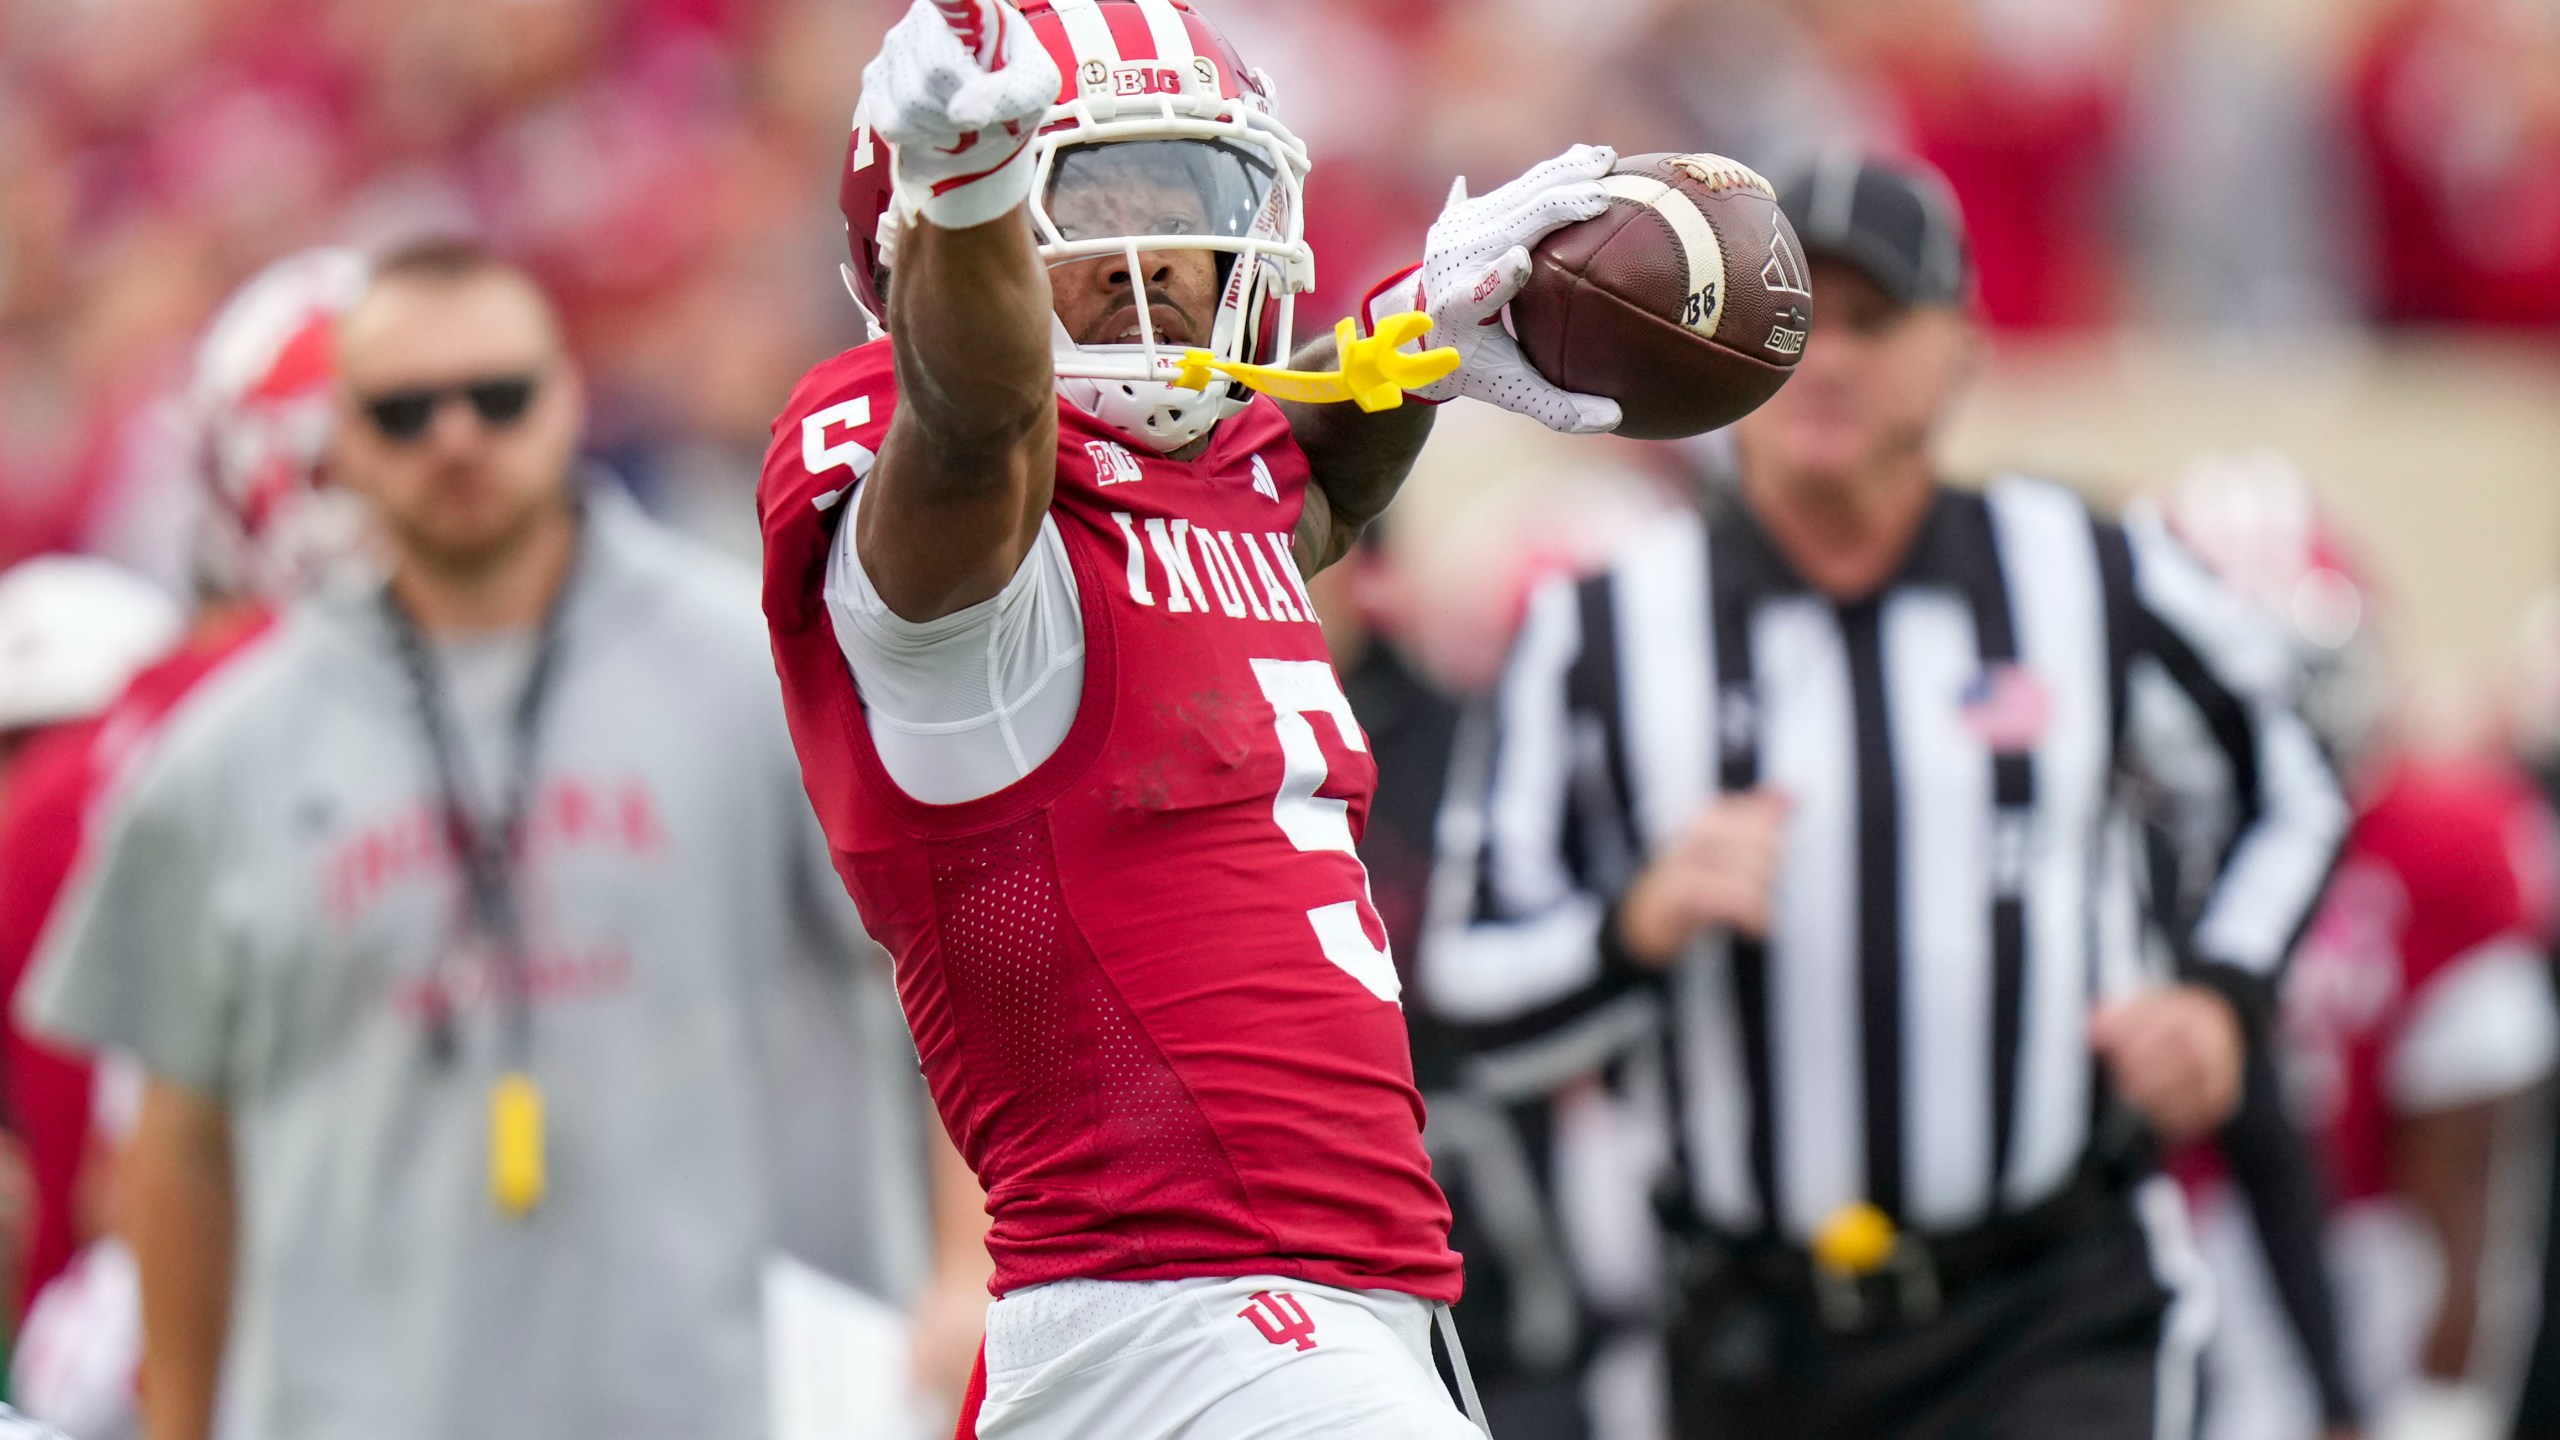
<point>1958,884</point>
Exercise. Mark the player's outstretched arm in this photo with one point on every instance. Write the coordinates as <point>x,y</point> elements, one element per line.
<point>965,472</point>
<point>1359,460</point>
<point>1474,262</point>
<point>1477,261</point>
<point>964,475</point>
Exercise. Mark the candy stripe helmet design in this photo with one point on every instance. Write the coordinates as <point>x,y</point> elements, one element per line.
<point>2258,525</point>
<point>1153,100</point>
<point>262,405</point>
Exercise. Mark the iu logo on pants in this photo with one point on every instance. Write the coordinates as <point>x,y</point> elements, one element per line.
<point>1280,1318</point>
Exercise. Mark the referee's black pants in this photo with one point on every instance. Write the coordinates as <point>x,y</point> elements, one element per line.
<point>2065,1347</point>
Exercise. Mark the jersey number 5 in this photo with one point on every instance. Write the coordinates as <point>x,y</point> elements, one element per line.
<point>821,451</point>
<point>1296,690</point>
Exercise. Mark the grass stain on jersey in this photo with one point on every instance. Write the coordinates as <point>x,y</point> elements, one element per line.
<point>1217,734</point>
<point>1226,729</point>
<point>1146,786</point>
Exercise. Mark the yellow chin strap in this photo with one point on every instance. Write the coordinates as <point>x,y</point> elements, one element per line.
<point>1374,372</point>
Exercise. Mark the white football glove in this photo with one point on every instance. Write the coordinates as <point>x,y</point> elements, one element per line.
<point>1476,260</point>
<point>961,118</point>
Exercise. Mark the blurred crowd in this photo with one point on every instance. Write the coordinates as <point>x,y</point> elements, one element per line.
<point>667,169</point>
<point>667,166</point>
<point>664,166</point>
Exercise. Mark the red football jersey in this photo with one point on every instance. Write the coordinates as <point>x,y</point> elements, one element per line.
<point>60,780</point>
<point>48,1090</point>
<point>2445,859</point>
<point>1152,998</point>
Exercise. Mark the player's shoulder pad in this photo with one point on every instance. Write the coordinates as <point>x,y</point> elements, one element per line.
<point>2461,838</point>
<point>828,432</point>
<point>2451,803</point>
<point>823,445</point>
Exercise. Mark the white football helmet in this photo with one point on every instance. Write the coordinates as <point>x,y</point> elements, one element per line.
<point>1161,139</point>
<point>73,631</point>
<point>262,406</point>
<point>2256,522</point>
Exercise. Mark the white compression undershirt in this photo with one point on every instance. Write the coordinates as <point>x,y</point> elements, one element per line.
<point>963,706</point>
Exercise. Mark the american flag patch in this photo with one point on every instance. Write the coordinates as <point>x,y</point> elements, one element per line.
<point>2007,709</point>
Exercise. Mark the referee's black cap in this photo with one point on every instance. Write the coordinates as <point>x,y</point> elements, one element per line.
<point>1896,220</point>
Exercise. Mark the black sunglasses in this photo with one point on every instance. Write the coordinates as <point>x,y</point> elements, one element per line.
<point>404,415</point>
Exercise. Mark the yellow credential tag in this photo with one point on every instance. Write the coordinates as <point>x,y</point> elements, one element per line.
<point>516,1176</point>
<point>1857,1240</point>
<point>1375,372</point>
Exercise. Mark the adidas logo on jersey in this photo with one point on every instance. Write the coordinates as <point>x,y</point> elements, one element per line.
<point>1263,484</point>
<point>1114,465</point>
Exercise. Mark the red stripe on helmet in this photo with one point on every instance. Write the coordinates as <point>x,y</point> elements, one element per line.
<point>1051,32</point>
<point>1129,31</point>
<point>304,363</point>
<point>1205,40</point>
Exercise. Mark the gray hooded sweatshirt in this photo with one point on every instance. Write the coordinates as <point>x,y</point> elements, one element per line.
<point>270,911</point>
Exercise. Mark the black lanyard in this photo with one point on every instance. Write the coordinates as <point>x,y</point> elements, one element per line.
<point>488,856</point>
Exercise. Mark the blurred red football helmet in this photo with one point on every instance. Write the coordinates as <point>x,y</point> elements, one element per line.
<point>1153,96</point>
<point>262,406</point>
<point>2256,523</point>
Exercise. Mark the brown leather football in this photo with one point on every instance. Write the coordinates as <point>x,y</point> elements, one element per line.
<point>1687,301</point>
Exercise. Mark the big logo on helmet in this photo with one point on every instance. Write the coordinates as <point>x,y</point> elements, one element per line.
<point>1145,80</point>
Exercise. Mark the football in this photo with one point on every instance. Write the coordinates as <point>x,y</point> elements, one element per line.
<point>1687,301</point>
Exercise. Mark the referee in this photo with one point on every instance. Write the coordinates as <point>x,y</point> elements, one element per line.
<point>1840,769</point>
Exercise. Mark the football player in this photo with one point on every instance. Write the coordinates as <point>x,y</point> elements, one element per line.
<point>1035,570</point>
<point>2418,1015</point>
<point>257,408</point>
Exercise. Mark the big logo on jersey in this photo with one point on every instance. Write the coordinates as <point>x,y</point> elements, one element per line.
<point>1113,464</point>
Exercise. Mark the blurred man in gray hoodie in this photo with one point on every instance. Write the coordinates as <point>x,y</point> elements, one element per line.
<point>502,1017</point>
